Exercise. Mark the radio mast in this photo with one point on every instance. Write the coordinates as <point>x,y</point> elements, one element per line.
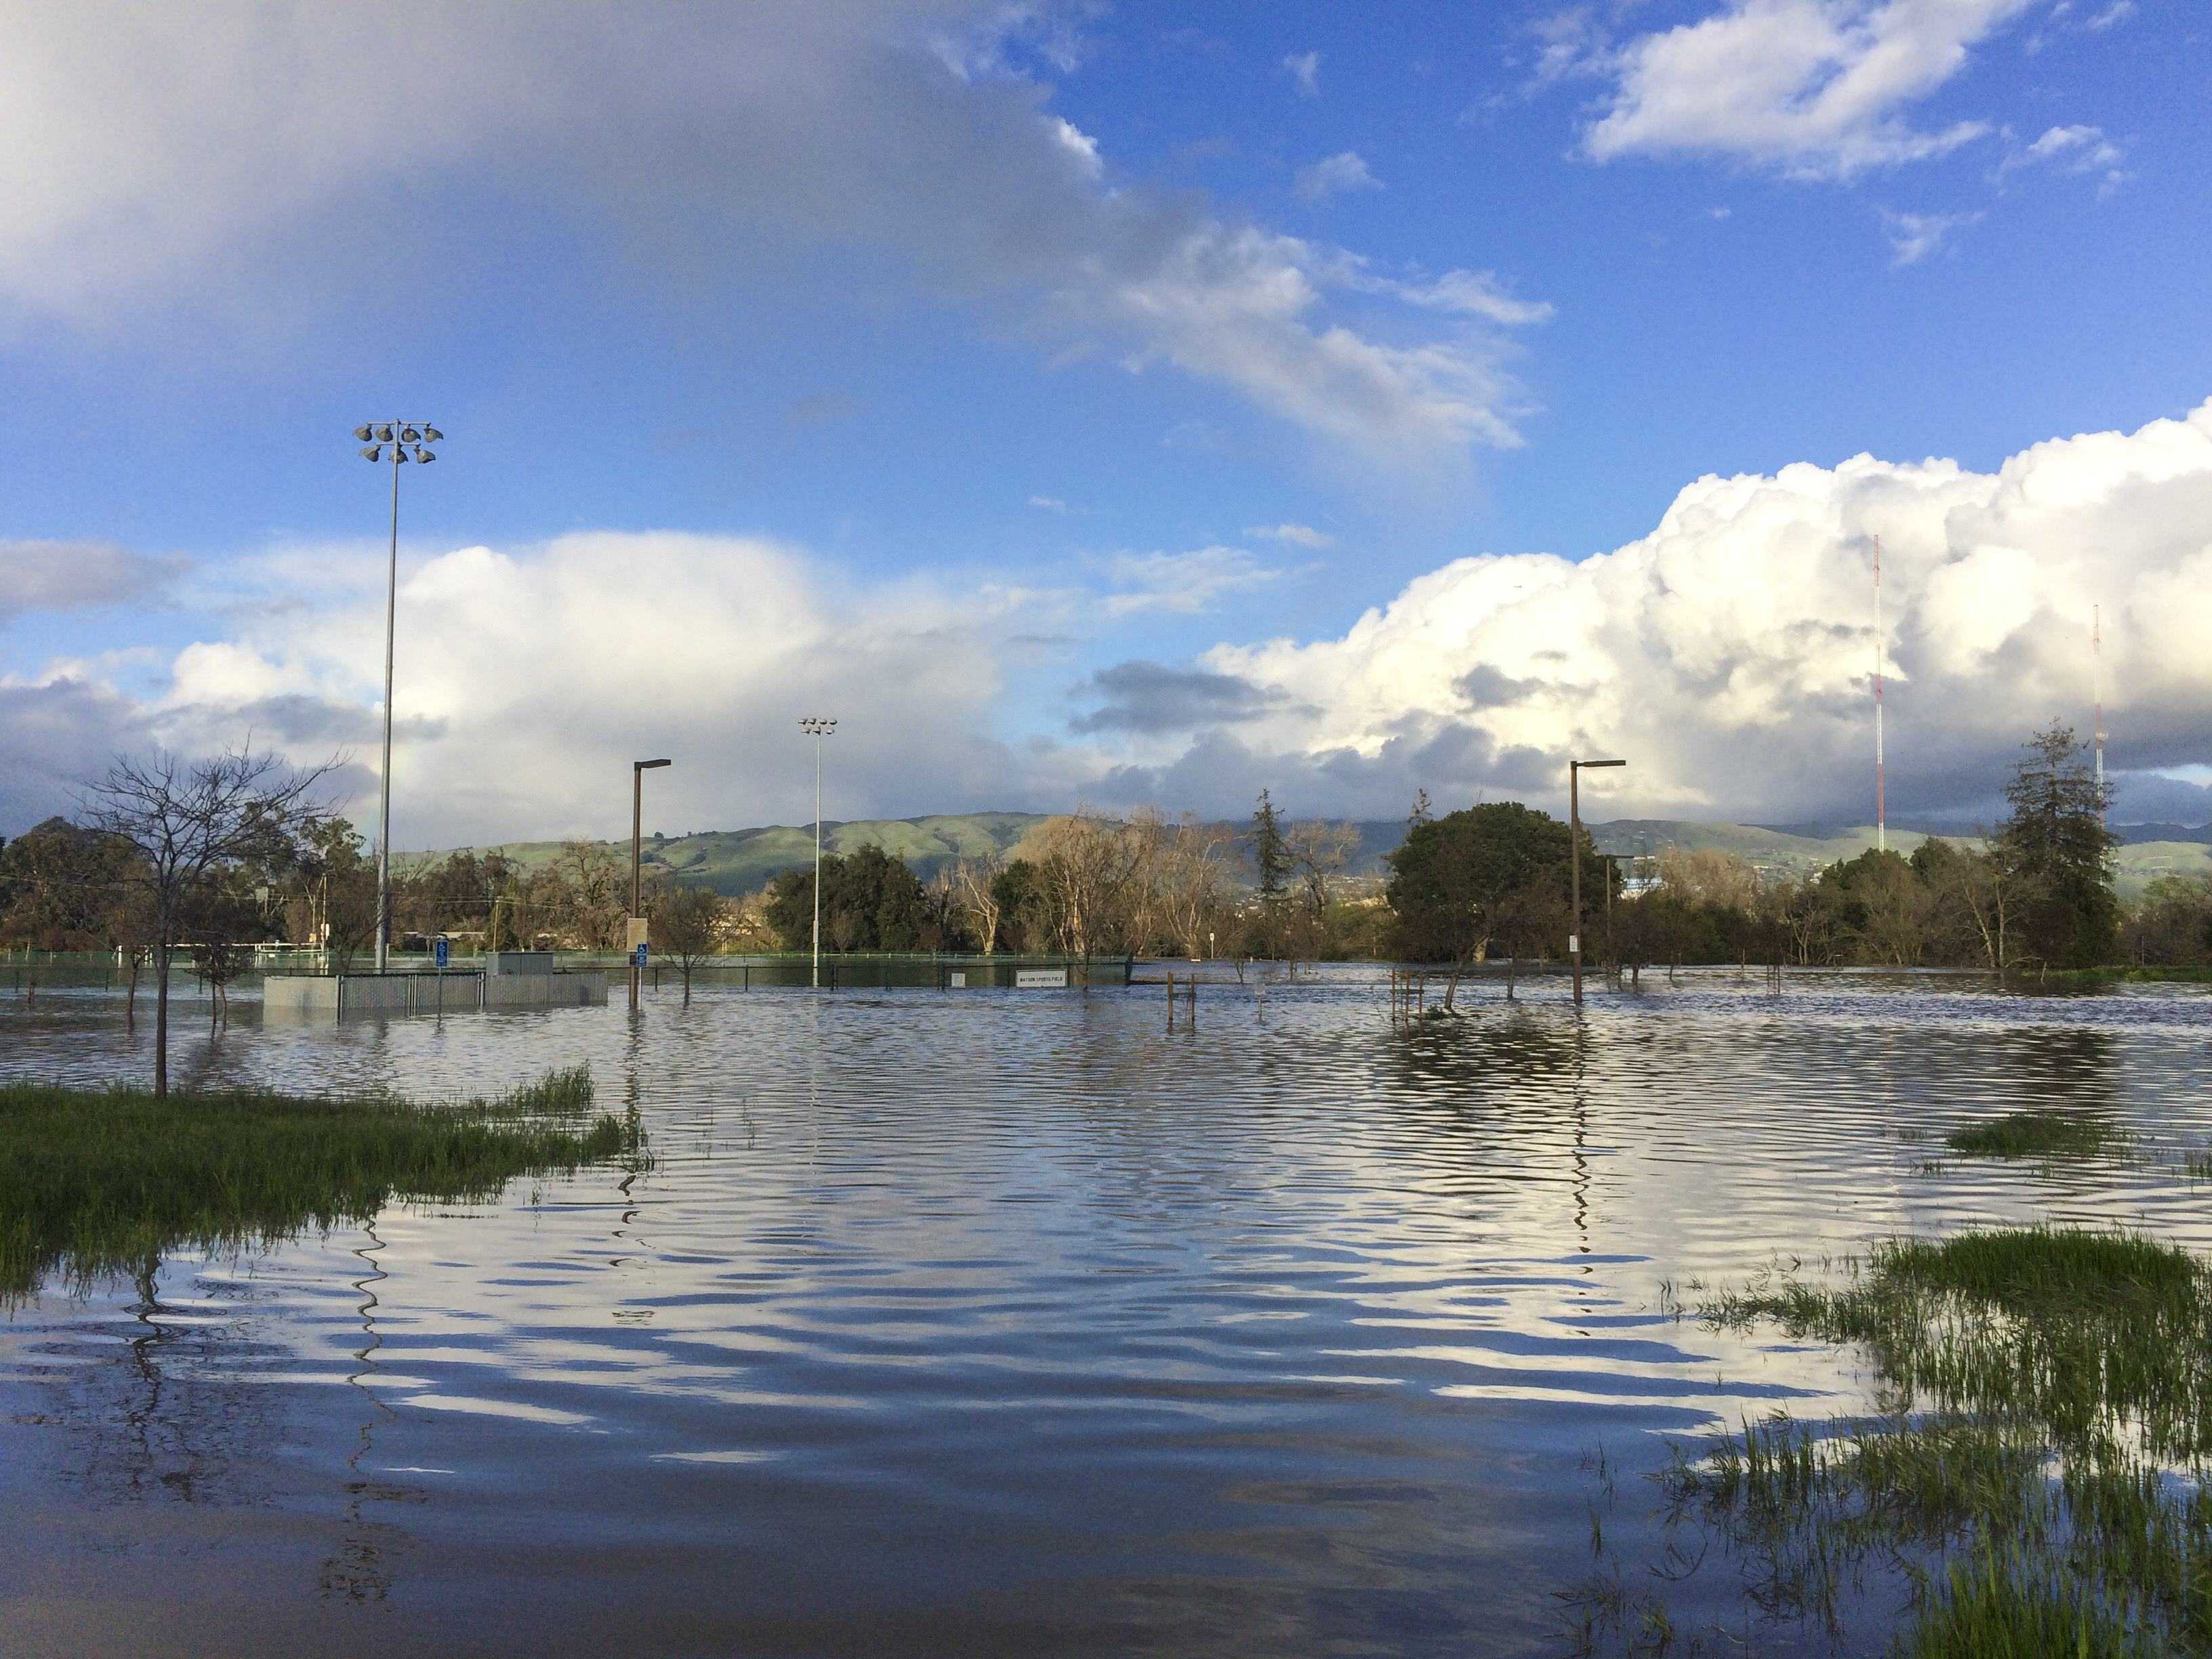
<point>1880,804</point>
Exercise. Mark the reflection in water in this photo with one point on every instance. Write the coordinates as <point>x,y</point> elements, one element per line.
<point>993,1322</point>
<point>360,1569</point>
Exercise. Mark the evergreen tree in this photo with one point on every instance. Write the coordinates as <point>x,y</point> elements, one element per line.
<point>1421,814</point>
<point>1271,854</point>
<point>2056,839</point>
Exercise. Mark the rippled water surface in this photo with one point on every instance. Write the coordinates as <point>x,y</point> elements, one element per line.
<point>1009,1322</point>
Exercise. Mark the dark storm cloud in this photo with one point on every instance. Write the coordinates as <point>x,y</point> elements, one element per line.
<point>1150,698</point>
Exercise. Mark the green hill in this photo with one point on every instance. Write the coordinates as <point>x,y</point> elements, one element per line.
<point>736,862</point>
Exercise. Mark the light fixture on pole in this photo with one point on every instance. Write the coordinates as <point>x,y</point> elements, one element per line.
<point>1575,845</point>
<point>399,437</point>
<point>818,728</point>
<point>636,934</point>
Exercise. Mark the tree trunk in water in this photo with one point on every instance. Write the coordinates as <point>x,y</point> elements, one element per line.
<point>131,999</point>
<point>1512,967</point>
<point>160,1022</point>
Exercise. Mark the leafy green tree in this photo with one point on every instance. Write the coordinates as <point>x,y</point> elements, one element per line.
<point>1023,902</point>
<point>58,884</point>
<point>331,900</point>
<point>2056,838</point>
<point>1460,881</point>
<point>2172,926</point>
<point>870,901</point>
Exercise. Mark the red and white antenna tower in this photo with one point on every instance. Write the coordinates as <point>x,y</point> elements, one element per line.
<point>2097,692</point>
<point>1880,805</point>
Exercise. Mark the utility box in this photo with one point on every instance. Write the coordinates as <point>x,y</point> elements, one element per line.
<point>498,962</point>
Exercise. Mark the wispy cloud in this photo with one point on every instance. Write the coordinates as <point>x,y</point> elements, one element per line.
<point>1048,503</point>
<point>1304,69</point>
<point>1914,237</point>
<point>1298,535</point>
<point>2077,149</point>
<point>1183,584</point>
<point>1335,174</point>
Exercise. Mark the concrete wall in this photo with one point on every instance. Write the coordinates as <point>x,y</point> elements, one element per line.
<point>291,998</point>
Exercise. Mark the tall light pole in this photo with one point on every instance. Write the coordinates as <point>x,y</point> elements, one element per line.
<point>398,436</point>
<point>1575,846</point>
<point>818,728</point>
<point>637,771</point>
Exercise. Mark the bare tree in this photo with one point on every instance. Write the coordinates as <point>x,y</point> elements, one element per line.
<point>1318,853</point>
<point>1993,890</point>
<point>1193,881</point>
<point>193,822</point>
<point>973,881</point>
<point>688,923</point>
<point>1087,861</point>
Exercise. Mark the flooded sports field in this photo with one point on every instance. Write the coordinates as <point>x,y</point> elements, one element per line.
<point>1010,1323</point>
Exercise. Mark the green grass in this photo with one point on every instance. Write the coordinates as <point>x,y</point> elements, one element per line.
<point>2034,1134</point>
<point>1995,1604</point>
<point>2039,1477</point>
<point>98,1184</point>
<point>2094,976</point>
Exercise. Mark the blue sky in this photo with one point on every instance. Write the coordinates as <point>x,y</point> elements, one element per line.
<point>1006,335</point>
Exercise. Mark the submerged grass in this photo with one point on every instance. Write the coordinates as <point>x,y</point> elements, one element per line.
<point>2035,1134</point>
<point>2040,1482</point>
<point>2093,977</point>
<point>98,1184</point>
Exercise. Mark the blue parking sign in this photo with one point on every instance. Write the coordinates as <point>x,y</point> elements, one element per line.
<point>640,955</point>
<point>443,952</point>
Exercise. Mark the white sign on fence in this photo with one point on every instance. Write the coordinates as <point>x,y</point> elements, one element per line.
<point>1040,979</point>
<point>956,979</point>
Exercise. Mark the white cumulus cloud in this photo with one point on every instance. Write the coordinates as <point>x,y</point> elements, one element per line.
<point>1813,88</point>
<point>1729,653</point>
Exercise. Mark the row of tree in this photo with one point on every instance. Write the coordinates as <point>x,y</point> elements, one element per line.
<point>2037,893</point>
<point>1096,884</point>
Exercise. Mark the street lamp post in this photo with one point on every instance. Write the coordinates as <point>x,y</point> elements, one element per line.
<point>398,436</point>
<point>1575,846</point>
<point>818,728</point>
<point>637,771</point>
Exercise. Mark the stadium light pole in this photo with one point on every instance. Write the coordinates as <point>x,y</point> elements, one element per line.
<point>637,771</point>
<point>398,436</point>
<point>1575,846</point>
<point>818,728</point>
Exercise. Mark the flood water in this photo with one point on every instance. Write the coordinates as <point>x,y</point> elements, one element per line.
<point>1000,1322</point>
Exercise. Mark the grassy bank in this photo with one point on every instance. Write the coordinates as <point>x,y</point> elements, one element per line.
<point>98,1184</point>
<point>2039,1478</point>
<point>2093,977</point>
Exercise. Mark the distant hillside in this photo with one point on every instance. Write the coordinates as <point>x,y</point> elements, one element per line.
<point>736,862</point>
